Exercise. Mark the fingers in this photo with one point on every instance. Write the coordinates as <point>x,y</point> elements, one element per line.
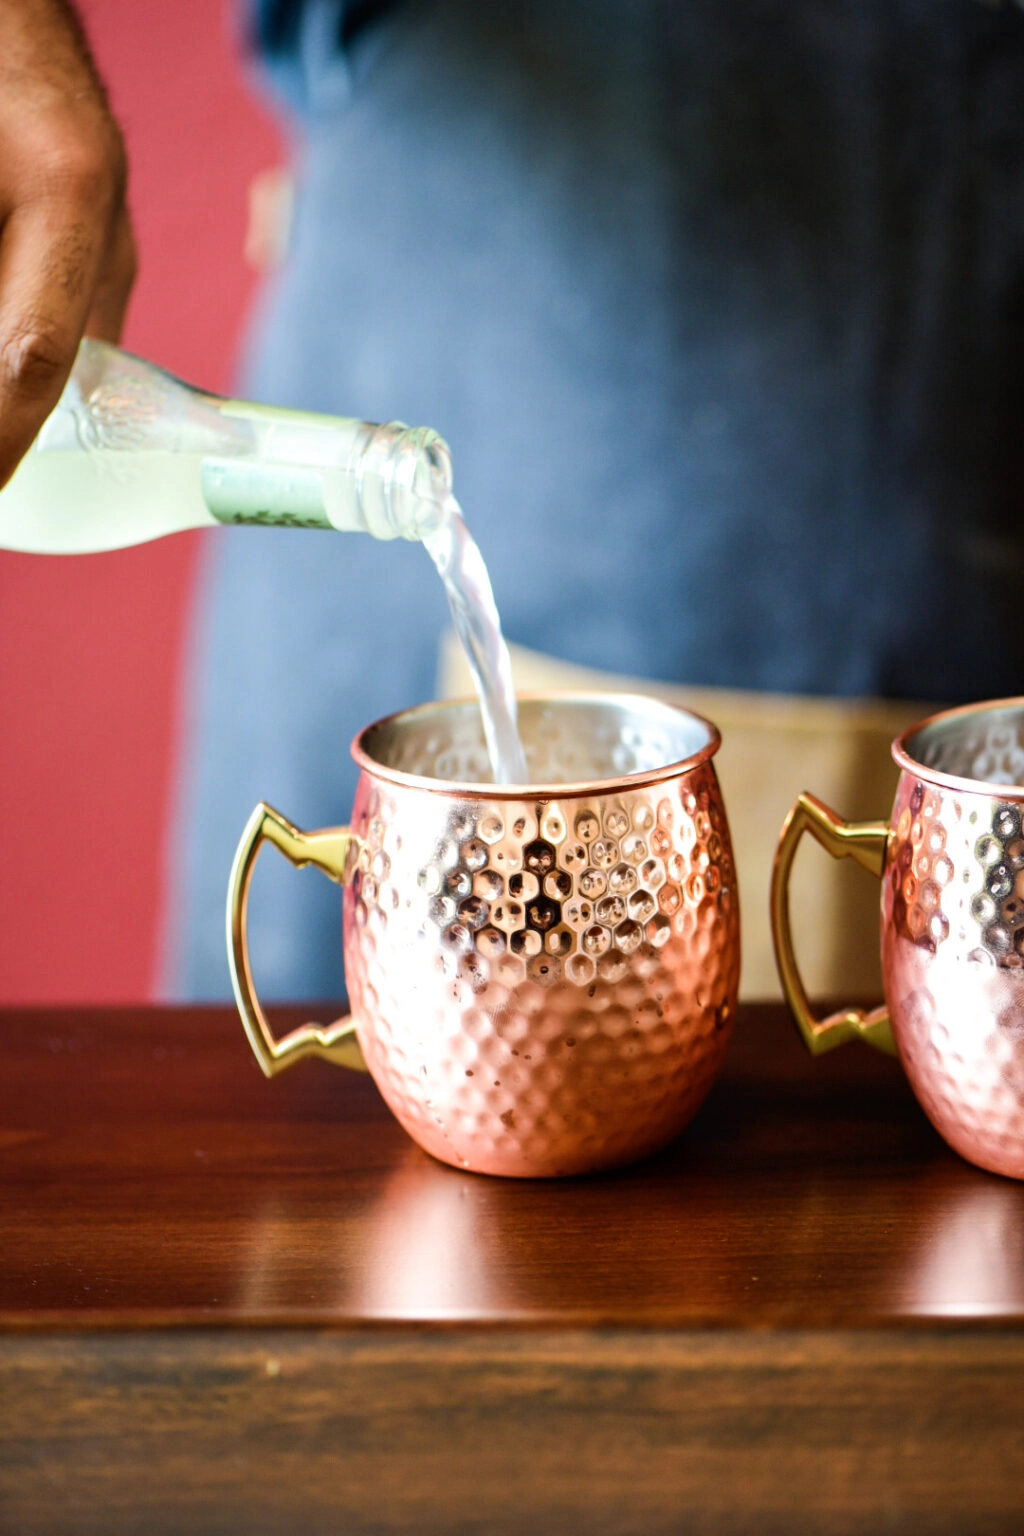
<point>113,290</point>
<point>49,266</point>
<point>67,259</point>
<point>66,267</point>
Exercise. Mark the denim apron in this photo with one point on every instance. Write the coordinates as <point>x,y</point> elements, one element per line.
<point>721,310</point>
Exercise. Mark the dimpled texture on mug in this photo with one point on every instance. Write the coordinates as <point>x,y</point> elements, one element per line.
<point>544,987</point>
<point>953,962</point>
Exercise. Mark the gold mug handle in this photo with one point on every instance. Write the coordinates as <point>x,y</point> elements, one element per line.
<point>865,842</point>
<point>330,852</point>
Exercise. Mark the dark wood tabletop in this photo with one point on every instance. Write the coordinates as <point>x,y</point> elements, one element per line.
<point>232,1304</point>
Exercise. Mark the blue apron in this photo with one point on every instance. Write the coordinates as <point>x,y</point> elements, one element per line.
<point>721,310</point>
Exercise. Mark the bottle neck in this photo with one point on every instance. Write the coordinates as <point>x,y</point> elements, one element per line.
<point>309,471</point>
<point>404,481</point>
<point>244,493</point>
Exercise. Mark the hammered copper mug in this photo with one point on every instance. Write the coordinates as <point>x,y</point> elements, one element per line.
<point>542,978</point>
<point>951,862</point>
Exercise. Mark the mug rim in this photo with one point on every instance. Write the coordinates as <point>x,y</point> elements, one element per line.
<point>904,759</point>
<point>574,789</point>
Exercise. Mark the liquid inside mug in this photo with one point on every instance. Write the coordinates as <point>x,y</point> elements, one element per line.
<point>951,862</point>
<point>543,979</point>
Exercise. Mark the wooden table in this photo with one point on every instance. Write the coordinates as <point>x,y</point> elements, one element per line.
<point>233,1305</point>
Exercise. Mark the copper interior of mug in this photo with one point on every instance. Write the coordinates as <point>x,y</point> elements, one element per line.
<point>578,741</point>
<point>976,748</point>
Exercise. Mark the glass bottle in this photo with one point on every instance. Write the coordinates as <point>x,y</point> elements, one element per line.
<point>130,454</point>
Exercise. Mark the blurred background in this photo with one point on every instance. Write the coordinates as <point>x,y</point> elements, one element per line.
<point>93,648</point>
<point>720,310</point>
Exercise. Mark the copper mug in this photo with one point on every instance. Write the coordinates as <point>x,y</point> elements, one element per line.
<point>951,862</point>
<point>542,978</point>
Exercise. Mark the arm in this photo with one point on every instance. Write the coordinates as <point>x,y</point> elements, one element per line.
<point>67,259</point>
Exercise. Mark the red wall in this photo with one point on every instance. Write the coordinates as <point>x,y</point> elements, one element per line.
<point>90,647</point>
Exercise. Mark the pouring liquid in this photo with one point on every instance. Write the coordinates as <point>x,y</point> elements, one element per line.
<point>467,585</point>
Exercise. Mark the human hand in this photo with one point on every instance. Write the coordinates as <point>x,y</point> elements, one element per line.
<point>67,257</point>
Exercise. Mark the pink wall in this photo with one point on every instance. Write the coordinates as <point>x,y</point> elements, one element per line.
<point>90,648</point>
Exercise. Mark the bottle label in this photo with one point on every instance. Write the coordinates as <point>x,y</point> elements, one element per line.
<point>267,495</point>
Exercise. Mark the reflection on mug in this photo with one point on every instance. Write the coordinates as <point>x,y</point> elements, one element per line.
<point>969,1261</point>
<point>425,1253</point>
<point>419,1251</point>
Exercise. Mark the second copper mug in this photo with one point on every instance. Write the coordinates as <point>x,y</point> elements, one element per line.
<point>543,978</point>
<point>951,861</point>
